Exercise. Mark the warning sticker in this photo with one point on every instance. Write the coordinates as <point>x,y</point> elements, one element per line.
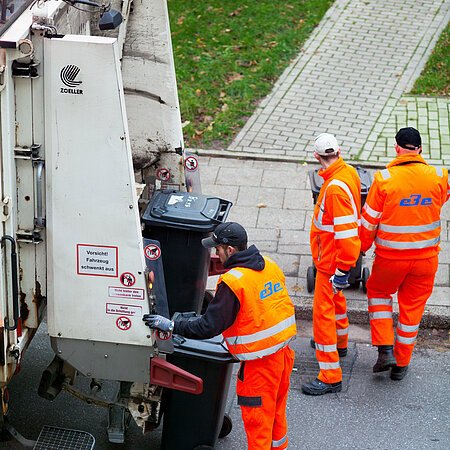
<point>123,323</point>
<point>163,174</point>
<point>127,279</point>
<point>97,260</point>
<point>123,292</point>
<point>191,163</point>
<point>123,310</point>
<point>152,252</point>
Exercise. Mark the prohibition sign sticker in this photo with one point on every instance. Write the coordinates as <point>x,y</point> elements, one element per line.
<point>191,163</point>
<point>163,174</point>
<point>164,335</point>
<point>127,279</point>
<point>123,323</point>
<point>152,252</point>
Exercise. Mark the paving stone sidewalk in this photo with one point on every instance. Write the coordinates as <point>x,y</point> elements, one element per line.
<point>349,79</point>
<point>273,200</point>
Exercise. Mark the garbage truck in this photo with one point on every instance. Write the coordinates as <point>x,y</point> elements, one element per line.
<point>90,132</point>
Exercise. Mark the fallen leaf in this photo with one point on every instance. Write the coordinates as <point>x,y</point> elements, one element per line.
<point>180,20</point>
<point>261,205</point>
<point>235,13</point>
<point>234,77</point>
<point>222,94</point>
<point>198,92</point>
<point>185,123</point>
<point>224,107</point>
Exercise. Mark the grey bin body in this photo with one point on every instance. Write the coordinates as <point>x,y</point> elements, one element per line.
<point>192,421</point>
<point>179,221</point>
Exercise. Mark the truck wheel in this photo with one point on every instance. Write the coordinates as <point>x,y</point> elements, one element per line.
<point>227,426</point>
<point>310,279</point>
<point>364,278</point>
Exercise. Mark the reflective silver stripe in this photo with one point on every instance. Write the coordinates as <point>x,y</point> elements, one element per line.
<point>343,220</point>
<point>405,340</point>
<point>380,301</point>
<point>342,331</point>
<point>380,315</point>
<point>372,212</point>
<point>326,348</point>
<point>280,441</point>
<point>346,234</point>
<point>408,245</point>
<point>385,174</point>
<point>407,328</point>
<point>327,366</point>
<point>343,186</point>
<point>366,224</point>
<point>439,171</point>
<point>261,353</point>
<point>235,273</point>
<point>410,228</point>
<point>341,316</point>
<point>328,228</point>
<point>263,334</point>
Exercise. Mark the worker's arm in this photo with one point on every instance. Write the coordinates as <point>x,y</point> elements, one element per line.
<point>371,214</point>
<point>220,315</point>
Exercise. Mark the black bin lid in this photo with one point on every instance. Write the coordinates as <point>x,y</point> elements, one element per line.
<point>185,210</point>
<point>316,180</point>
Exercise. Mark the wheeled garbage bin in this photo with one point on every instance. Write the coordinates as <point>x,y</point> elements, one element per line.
<point>179,221</point>
<point>196,421</point>
<point>358,274</point>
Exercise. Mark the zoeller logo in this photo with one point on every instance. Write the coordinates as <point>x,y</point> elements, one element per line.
<point>68,76</point>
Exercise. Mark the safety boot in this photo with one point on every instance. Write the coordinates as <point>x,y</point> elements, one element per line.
<point>317,387</point>
<point>342,352</point>
<point>398,373</point>
<point>386,358</point>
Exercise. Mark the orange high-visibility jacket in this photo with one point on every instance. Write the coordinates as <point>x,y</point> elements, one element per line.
<point>335,224</point>
<point>265,322</point>
<point>402,211</point>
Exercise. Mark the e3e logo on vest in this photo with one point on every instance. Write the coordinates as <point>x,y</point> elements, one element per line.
<point>269,289</point>
<point>414,200</point>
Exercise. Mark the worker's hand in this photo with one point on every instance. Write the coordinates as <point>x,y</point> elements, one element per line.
<point>340,280</point>
<point>158,322</point>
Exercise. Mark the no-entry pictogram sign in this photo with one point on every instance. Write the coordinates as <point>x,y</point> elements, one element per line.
<point>123,323</point>
<point>127,279</point>
<point>152,252</point>
<point>191,163</point>
<point>163,174</point>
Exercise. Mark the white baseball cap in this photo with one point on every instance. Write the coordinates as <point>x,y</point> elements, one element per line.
<point>326,144</point>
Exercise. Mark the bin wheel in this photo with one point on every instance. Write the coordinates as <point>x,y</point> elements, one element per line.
<point>310,279</point>
<point>364,278</point>
<point>227,426</point>
<point>207,299</point>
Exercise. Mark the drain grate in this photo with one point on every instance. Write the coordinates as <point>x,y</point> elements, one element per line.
<point>53,438</point>
<point>306,367</point>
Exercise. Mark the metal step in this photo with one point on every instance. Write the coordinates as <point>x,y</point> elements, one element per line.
<point>53,438</point>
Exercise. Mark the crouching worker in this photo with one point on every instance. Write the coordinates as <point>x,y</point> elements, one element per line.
<point>253,311</point>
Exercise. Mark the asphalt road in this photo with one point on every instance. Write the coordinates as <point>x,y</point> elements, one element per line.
<point>372,412</point>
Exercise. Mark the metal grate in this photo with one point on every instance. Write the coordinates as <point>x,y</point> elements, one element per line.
<point>53,438</point>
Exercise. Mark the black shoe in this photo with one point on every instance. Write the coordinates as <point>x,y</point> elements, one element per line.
<point>386,358</point>
<point>317,387</point>
<point>398,373</point>
<point>342,352</point>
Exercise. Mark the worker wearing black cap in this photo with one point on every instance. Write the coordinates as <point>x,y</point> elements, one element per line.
<point>253,311</point>
<point>402,216</point>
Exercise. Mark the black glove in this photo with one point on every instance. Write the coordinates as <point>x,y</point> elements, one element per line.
<point>158,322</point>
<point>340,280</point>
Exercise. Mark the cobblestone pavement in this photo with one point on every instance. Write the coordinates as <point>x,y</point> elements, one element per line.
<point>349,79</point>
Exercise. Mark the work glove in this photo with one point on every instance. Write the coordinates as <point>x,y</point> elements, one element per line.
<point>339,280</point>
<point>158,322</point>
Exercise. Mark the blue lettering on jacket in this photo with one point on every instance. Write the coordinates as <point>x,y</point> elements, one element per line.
<point>415,200</point>
<point>269,289</point>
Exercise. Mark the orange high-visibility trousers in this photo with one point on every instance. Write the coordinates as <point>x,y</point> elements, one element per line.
<point>330,328</point>
<point>262,389</point>
<point>413,281</point>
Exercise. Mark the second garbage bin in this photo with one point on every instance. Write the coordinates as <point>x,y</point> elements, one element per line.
<point>179,221</point>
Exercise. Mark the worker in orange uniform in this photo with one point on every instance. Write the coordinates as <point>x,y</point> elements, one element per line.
<point>253,311</point>
<point>335,248</point>
<point>402,216</point>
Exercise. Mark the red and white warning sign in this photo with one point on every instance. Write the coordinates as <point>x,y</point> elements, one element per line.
<point>123,310</point>
<point>123,323</point>
<point>124,292</point>
<point>191,163</point>
<point>127,279</point>
<point>163,174</point>
<point>97,260</point>
<point>152,252</point>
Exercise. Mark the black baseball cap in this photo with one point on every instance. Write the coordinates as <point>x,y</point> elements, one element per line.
<point>408,138</point>
<point>228,233</point>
